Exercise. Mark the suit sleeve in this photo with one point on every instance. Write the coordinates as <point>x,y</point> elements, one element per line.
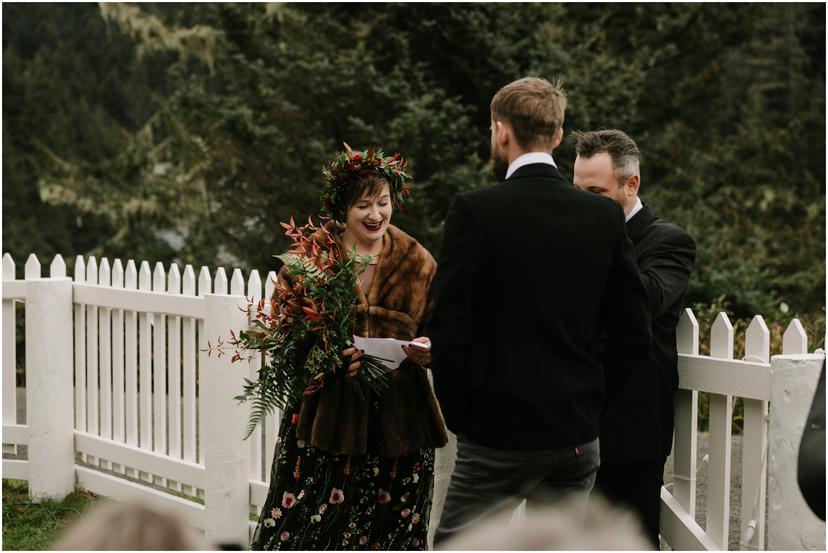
<point>665,270</point>
<point>625,307</point>
<point>456,294</point>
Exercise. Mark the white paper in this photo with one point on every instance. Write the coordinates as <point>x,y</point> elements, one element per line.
<point>388,349</point>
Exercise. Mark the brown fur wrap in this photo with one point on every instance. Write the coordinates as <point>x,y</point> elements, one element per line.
<point>397,306</point>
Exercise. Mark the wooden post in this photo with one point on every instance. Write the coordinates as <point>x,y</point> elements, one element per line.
<point>9,355</point>
<point>222,428</point>
<point>791,523</point>
<point>49,390</point>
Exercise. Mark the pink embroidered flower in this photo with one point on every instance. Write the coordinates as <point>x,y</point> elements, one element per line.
<point>300,444</point>
<point>285,536</point>
<point>336,496</point>
<point>404,497</point>
<point>416,518</point>
<point>415,542</point>
<point>276,513</point>
<point>363,540</point>
<point>288,500</point>
<point>383,497</point>
<point>405,512</point>
<point>278,439</point>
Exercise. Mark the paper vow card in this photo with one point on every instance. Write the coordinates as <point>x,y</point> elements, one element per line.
<point>388,349</point>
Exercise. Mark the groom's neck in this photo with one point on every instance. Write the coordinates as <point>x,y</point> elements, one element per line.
<point>516,151</point>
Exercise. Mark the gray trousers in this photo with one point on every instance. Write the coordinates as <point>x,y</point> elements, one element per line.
<point>486,481</point>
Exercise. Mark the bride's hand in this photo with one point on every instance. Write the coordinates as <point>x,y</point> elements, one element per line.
<point>417,355</point>
<point>354,355</point>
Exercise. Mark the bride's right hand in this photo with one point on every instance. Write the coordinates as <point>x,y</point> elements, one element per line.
<point>354,354</point>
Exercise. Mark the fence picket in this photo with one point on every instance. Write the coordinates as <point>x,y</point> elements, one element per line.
<point>271,425</point>
<point>144,365</point>
<point>794,341</point>
<point>159,369</point>
<point>131,362</point>
<point>754,446</point>
<point>80,351</point>
<point>57,269</point>
<point>189,369</point>
<point>105,365</point>
<point>721,419</point>
<point>254,292</point>
<point>92,356</point>
<point>9,354</point>
<point>205,285</point>
<point>117,358</point>
<point>686,421</point>
<point>220,284</point>
<point>174,367</point>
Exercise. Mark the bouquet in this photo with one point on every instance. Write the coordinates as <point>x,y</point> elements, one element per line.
<point>309,323</point>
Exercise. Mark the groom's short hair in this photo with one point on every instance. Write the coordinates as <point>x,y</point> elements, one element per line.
<point>534,108</point>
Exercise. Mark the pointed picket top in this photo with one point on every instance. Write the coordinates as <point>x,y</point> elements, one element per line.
<point>174,280</point>
<point>220,285</point>
<point>237,283</point>
<point>205,282</point>
<point>117,274</point>
<point>189,282</point>
<point>80,269</point>
<point>32,267</point>
<point>159,278</point>
<point>57,269</point>
<point>721,337</point>
<point>104,274</point>
<point>131,276</point>
<point>254,285</point>
<point>144,276</point>
<point>757,341</point>
<point>794,341</point>
<point>8,267</point>
<point>687,333</point>
<point>92,270</point>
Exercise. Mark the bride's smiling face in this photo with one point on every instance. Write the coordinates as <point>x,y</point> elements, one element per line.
<point>368,217</point>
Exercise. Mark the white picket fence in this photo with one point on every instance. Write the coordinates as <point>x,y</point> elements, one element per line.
<point>123,400</point>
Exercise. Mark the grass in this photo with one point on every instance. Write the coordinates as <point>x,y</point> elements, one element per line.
<point>29,526</point>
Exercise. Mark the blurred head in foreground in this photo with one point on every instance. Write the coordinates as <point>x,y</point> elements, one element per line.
<point>555,528</point>
<point>117,526</point>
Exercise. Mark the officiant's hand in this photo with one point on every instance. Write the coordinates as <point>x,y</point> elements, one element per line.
<point>417,355</point>
<point>351,356</point>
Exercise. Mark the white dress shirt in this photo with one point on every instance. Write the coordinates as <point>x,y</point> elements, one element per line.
<point>636,208</point>
<point>528,159</point>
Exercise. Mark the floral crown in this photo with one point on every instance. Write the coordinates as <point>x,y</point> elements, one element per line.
<point>343,172</point>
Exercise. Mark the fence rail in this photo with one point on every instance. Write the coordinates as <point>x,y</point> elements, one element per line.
<point>123,400</point>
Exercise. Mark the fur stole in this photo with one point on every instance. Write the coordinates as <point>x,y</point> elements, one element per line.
<point>397,305</point>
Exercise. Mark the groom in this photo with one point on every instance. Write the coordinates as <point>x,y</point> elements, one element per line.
<point>533,275</point>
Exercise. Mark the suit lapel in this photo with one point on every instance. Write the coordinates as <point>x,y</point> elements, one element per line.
<point>639,223</point>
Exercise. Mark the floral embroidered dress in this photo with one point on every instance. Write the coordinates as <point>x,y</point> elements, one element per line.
<point>328,501</point>
<point>372,492</point>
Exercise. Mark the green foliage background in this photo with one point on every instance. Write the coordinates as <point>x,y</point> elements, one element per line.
<point>184,132</point>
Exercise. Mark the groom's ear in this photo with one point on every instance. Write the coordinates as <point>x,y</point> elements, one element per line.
<point>558,138</point>
<point>502,133</point>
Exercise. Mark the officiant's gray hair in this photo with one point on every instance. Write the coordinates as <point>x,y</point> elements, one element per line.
<point>621,148</point>
<point>534,108</point>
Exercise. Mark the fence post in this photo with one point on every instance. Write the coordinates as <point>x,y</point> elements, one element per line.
<point>222,427</point>
<point>49,389</point>
<point>791,523</point>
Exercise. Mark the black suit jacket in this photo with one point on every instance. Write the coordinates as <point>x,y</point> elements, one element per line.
<point>638,421</point>
<point>527,271</point>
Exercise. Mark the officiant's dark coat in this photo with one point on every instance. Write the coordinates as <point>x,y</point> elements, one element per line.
<point>529,272</point>
<point>638,421</point>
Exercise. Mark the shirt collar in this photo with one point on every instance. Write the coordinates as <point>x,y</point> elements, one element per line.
<point>635,209</point>
<point>528,159</point>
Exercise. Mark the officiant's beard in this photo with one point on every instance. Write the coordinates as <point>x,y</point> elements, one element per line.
<point>499,164</point>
